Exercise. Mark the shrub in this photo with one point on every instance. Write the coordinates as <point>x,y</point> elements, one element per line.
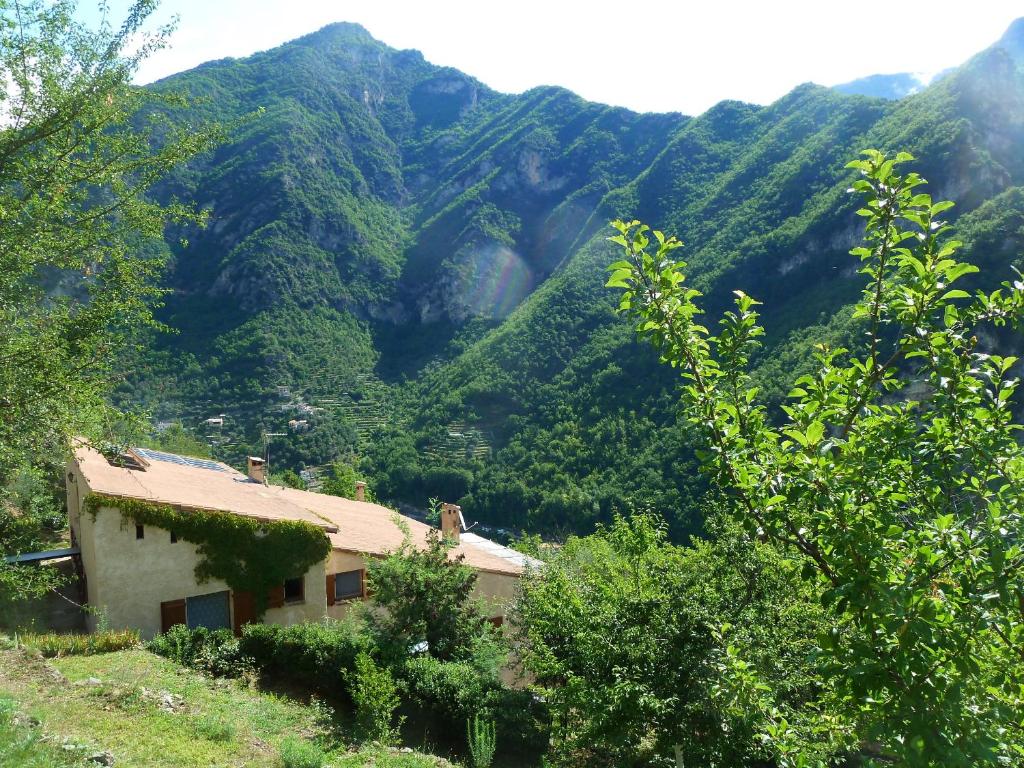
<point>217,652</point>
<point>314,654</point>
<point>456,691</point>
<point>179,643</point>
<point>480,739</point>
<point>375,695</point>
<point>453,690</point>
<point>297,753</point>
<point>53,644</point>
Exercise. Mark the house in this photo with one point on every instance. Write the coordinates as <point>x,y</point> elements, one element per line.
<point>143,577</point>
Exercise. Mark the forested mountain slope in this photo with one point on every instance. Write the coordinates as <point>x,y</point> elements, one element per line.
<point>387,218</point>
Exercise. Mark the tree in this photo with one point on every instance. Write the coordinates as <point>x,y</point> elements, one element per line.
<point>425,594</point>
<point>80,243</point>
<point>619,629</point>
<point>894,472</point>
<point>341,481</point>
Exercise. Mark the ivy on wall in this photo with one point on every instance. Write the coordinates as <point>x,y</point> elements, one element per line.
<point>249,555</point>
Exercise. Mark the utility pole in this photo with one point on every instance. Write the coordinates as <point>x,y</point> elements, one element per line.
<point>266,448</point>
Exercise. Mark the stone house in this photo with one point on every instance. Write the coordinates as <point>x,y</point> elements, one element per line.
<point>143,577</point>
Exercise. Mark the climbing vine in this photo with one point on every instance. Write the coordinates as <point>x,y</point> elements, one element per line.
<point>249,555</point>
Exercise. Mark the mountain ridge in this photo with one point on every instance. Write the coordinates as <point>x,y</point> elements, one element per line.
<point>389,217</point>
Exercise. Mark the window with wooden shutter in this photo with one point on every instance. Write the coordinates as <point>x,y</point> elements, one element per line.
<point>295,590</point>
<point>349,585</point>
<point>211,610</point>
<point>330,589</point>
<point>245,610</point>
<point>171,613</point>
<point>275,598</point>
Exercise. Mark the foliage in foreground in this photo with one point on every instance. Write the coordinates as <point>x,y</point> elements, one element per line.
<point>893,472</point>
<point>23,747</point>
<point>424,594</point>
<point>80,245</point>
<point>376,658</point>
<point>216,723</point>
<point>619,629</point>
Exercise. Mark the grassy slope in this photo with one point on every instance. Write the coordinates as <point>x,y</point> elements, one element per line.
<point>118,716</point>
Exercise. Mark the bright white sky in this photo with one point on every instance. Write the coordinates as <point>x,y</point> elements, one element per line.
<point>648,55</point>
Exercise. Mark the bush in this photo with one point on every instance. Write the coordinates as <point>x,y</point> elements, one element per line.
<point>457,691</point>
<point>297,753</point>
<point>452,690</point>
<point>179,644</point>
<point>53,644</point>
<point>316,655</point>
<point>375,696</point>
<point>217,652</point>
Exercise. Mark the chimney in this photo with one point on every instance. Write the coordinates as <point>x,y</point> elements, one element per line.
<point>360,490</point>
<point>451,520</point>
<point>257,470</point>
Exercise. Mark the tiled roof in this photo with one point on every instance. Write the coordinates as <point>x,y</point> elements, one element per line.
<point>352,526</point>
<point>371,528</point>
<point>223,489</point>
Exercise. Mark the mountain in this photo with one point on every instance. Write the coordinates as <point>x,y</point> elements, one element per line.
<point>409,266</point>
<point>894,86</point>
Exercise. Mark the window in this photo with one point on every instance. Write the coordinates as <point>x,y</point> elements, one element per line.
<point>348,585</point>
<point>295,590</point>
<point>174,538</point>
<point>140,532</point>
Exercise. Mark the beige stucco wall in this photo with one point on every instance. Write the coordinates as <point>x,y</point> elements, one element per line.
<point>496,591</point>
<point>128,578</point>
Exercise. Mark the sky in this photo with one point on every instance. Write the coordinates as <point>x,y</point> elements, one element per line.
<point>668,55</point>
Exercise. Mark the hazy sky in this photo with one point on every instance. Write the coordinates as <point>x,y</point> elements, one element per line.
<point>649,56</point>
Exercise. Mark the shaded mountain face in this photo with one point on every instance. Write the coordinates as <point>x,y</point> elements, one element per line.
<point>386,217</point>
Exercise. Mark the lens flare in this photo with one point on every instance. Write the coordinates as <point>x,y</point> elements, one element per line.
<point>497,282</point>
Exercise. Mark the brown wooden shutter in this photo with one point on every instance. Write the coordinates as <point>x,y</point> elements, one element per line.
<point>275,598</point>
<point>171,613</point>
<point>330,589</point>
<point>367,592</point>
<point>245,610</point>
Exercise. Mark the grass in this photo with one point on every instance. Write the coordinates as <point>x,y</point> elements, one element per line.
<point>22,745</point>
<point>296,753</point>
<point>149,712</point>
<point>54,644</point>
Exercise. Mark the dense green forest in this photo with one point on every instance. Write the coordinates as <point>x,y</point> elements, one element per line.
<point>407,265</point>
